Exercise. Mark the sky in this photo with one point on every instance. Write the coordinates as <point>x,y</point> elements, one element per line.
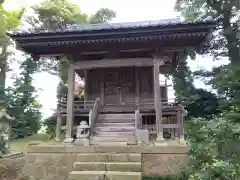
<point>126,11</point>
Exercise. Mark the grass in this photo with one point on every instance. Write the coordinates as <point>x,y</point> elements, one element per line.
<point>19,145</point>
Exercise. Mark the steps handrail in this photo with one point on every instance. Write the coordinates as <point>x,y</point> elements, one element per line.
<point>93,113</point>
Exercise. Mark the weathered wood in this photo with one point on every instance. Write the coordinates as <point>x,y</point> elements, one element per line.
<point>157,97</point>
<point>58,126</point>
<point>102,87</point>
<point>86,85</point>
<point>110,63</point>
<point>70,103</point>
<point>137,81</point>
<point>93,114</point>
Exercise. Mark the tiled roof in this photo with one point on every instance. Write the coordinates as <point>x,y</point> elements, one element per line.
<point>108,26</point>
<point>112,26</point>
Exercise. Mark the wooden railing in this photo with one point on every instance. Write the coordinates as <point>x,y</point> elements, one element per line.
<point>93,113</point>
<point>79,106</point>
<point>172,124</point>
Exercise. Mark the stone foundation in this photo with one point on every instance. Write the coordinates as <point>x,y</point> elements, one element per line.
<point>56,161</point>
<point>11,166</point>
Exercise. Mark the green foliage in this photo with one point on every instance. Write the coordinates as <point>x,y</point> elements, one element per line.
<point>22,103</point>
<point>198,102</point>
<point>205,104</point>
<point>9,20</point>
<point>214,148</point>
<point>50,124</point>
<point>160,178</point>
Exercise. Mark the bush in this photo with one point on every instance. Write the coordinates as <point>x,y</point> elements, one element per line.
<point>160,178</point>
<point>50,124</point>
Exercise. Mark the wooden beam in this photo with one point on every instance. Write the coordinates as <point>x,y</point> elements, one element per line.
<point>108,63</point>
<point>157,98</point>
<point>70,103</point>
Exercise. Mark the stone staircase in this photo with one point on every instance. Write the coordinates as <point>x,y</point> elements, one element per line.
<point>107,166</point>
<point>114,128</point>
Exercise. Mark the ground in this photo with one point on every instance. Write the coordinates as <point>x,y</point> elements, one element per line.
<point>20,144</point>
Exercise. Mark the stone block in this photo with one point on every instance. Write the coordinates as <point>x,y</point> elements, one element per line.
<point>116,175</point>
<point>163,164</point>
<point>81,142</point>
<point>143,135</point>
<point>87,175</point>
<point>129,157</point>
<point>89,166</point>
<point>124,166</point>
<point>90,157</point>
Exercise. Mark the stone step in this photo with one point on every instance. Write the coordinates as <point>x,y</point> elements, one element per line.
<point>108,166</point>
<point>112,124</point>
<point>116,116</point>
<point>103,175</point>
<point>108,143</point>
<point>114,133</point>
<point>124,166</point>
<point>93,157</point>
<point>114,129</point>
<point>116,175</point>
<point>124,157</point>
<point>116,120</point>
<point>87,175</point>
<point>109,157</point>
<point>112,139</point>
<point>89,166</point>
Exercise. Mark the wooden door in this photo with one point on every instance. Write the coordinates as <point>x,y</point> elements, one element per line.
<point>111,87</point>
<point>127,89</point>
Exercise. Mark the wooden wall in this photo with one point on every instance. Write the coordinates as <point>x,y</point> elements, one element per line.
<point>121,84</point>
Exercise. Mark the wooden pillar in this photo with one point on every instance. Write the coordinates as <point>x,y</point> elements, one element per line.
<point>58,127</point>
<point>137,93</point>
<point>102,88</point>
<point>86,86</point>
<point>181,127</point>
<point>157,98</point>
<point>70,104</point>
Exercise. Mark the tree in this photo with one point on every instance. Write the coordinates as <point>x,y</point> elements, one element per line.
<point>22,103</point>
<point>53,15</point>
<point>197,102</point>
<point>215,143</point>
<point>9,20</point>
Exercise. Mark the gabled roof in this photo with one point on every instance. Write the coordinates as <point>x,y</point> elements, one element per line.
<point>86,28</point>
<point>116,36</point>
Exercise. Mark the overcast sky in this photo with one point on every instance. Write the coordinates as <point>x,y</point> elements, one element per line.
<point>127,11</point>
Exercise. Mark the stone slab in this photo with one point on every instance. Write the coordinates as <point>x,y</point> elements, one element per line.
<point>87,175</point>
<point>124,166</point>
<point>143,135</point>
<point>164,149</point>
<point>82,142</point>
<point>129,157</point>
<point>89,166</point>
<point>116,175</point>
<point>91,157</point>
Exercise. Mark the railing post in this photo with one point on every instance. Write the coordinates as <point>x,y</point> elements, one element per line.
<point>157,98</point>
<point>137,103</point>
<point>58,126</point>
<point>180,122</point>
<point>70,103</point>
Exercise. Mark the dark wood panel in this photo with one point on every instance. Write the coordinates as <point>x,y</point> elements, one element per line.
<point>146,82</point>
